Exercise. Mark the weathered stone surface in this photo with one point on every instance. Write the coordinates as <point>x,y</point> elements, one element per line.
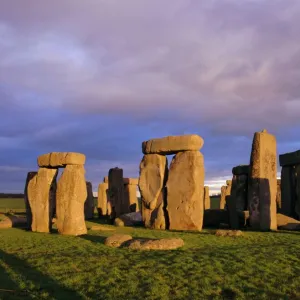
<point>61,159</point>
<point>283,220</point>
<point>223,197</point>
<point>133,181</point>
<point>289,159</point>
<point>162,244</point>
<point>89,205</point>
<point>101,228</point>
<point>232,233</point>
<point>131,219</point>
<point>131,197</point>
<point>215,217</point>
<point>102,199</point>
<point>232,212</point>
<point>12,221</point>
<point>153,175</point>
<point>278,195</point>
<point>240,170</point>
<point>30,176</point>
<point>297,183</point>
<point>117,240</point>
<point>206,198</point>
<point>71,195</point>
<point>173,144</point>
<point>185,188</point>
<point>241,192</point>
<point>40,199</point>
<point>262,182</point>
<point>227,191</point>
<point>116,193</point>
<point>288,191</point>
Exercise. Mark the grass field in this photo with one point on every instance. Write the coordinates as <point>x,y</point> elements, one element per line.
<point>12,204</point>
<point>51,266</point>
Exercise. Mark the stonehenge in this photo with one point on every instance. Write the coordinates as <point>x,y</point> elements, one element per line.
<point>173,196</point>
<point>66,198</point>
<point>172,199</point>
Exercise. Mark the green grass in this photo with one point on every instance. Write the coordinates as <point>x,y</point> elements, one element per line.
<point>51,266</point>
<point>12,204</point>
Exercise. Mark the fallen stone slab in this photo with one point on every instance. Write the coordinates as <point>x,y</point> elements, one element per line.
<point>231,233</point>
<point>61,159</point>
<point>162,244</point>
<point>117,240</point>
<point>12,221</point>
<point>101,228</point>
<point>131,219</point>
<point>283,220</point>
<point>173,144</point>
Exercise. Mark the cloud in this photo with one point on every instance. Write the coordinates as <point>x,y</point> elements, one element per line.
<point>99,77</point>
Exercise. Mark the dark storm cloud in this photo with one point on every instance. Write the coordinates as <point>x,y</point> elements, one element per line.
<point>100,77</point>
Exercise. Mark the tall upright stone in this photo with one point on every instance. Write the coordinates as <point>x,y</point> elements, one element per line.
<point>30,176</point>
<point>278,195</point>
<point>40,199</point>
<point>288,191</point>
<point>116,192</point>
<point>231,203</point>
<point>297,183</point>
<point>185,188</point>
<point>206,198</point>
<point>262,182</point>
<point>71,196</point>
<point>130,188</point>
<point>241,190</point>
<point>227,191</point>
<point>102,199</point>
<point>89,205</point>
<point>223,197</point>
<point>153,176</point>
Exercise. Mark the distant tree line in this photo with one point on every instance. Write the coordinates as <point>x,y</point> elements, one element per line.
<point>5,195</point>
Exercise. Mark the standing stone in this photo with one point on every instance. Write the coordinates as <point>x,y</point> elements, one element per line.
<point>89,205</point>
<point>288,191</point>
<point>102,199</point>
<point>71,195</point>
<point>206,198</point>
<point>262,183</point>
<point>278,195</point>
<point>227,191</point>
<point>153,176</point>
<point>223,197</point>
<point>241,192</point>
<point>185,188</point>
<point>116,193</point>
<point>231,190</point>
<point>39,198</point>
<point>130,197</point>
<point>30,176</point>
<point>297,183</point>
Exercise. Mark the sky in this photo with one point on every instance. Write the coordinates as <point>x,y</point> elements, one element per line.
<point>101,76</point>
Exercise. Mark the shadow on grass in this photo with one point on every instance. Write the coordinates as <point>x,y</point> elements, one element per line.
<point>43,284</point>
